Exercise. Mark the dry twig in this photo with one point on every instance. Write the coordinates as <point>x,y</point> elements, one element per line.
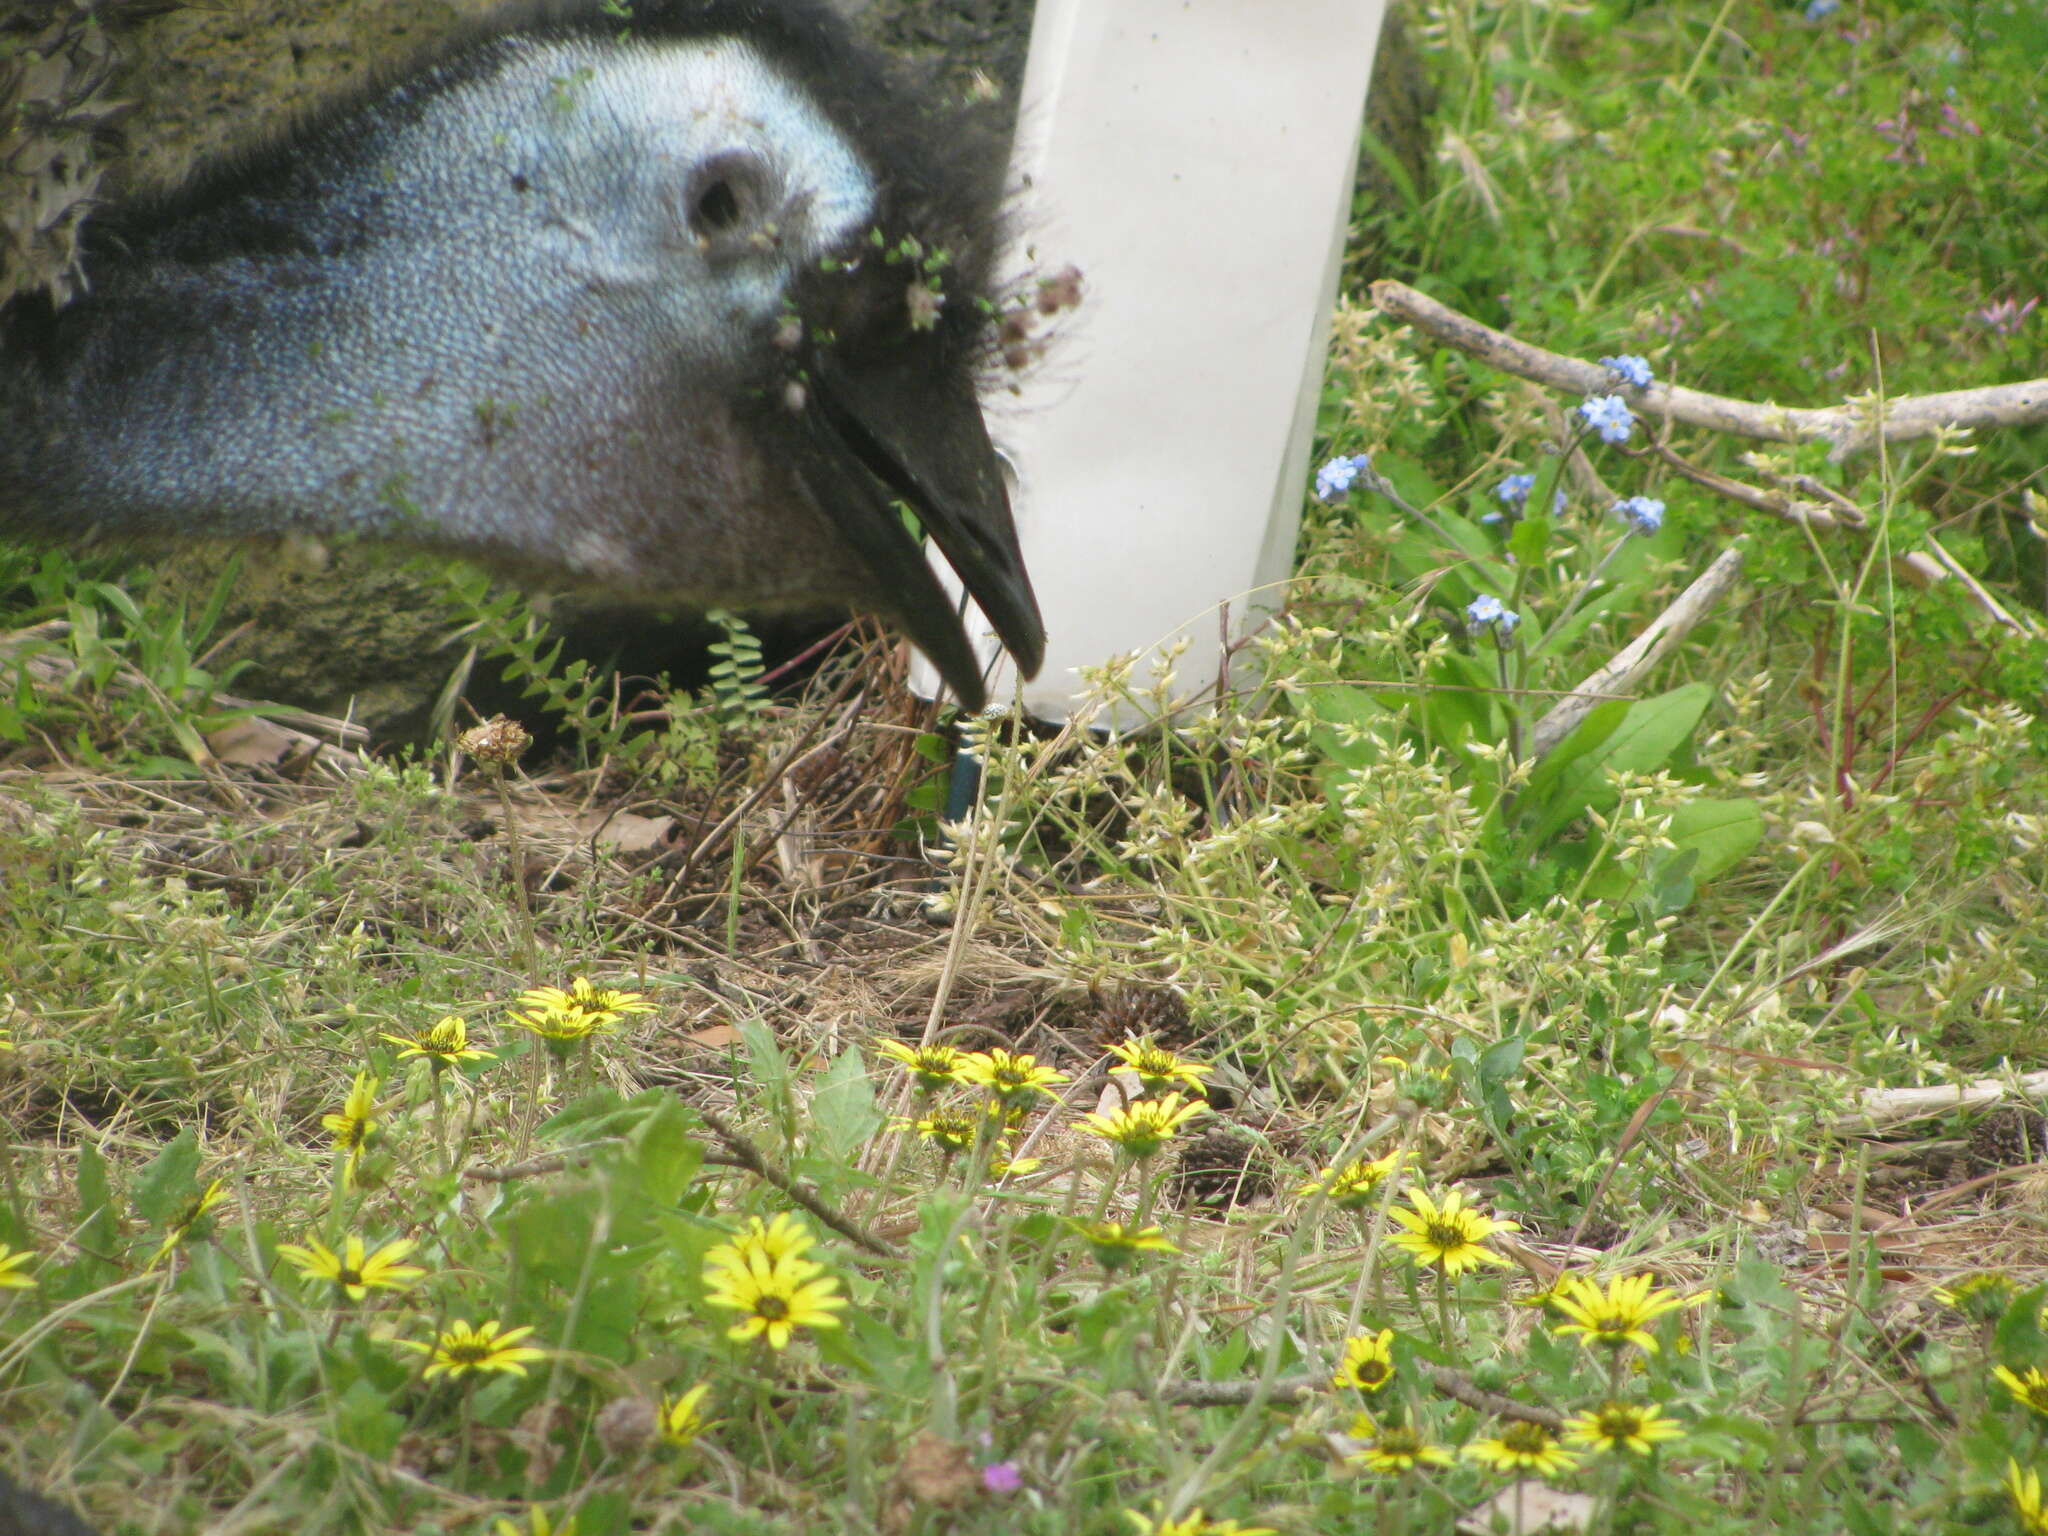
<point>1854,427</point>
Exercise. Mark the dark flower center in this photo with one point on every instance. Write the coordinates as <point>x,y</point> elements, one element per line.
<point>773,1308</point>
<point>1526,1439</point>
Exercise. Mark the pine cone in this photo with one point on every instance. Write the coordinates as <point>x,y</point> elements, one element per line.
<point>1219,1169</point>
<point>1133,1011</point>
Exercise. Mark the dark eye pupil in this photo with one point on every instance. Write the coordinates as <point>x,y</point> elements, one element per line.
<point>718,207</point>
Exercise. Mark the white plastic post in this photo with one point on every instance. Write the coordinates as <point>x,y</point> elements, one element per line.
<point>1194,159</point>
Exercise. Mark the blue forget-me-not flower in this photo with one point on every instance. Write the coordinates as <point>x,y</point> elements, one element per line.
<point>1335,479</point>
<point>1513,494</point>
<point>1631,370</point>
<point>1609,416</point>
<point>1645,514</point>
<point>1488,612</point>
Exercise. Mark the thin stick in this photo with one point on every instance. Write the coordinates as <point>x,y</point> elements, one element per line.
<point>1455,1385</point>
<point>1854,427</point>
<point>1628,668</point>
<point>750,1158</point>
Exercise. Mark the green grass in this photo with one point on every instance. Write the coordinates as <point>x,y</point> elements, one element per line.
<point>1630,999</point>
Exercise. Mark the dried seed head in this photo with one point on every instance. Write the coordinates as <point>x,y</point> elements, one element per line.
<point>626,1426</point>
<point>498,740</point>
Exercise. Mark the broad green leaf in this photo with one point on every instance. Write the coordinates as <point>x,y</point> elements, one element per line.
<point>1645,738</point>
<point>170,1181</point>
<point>98,1229</point>
<point>1711,836</point>
<point>1530,541</point>
<point>843,1113</point>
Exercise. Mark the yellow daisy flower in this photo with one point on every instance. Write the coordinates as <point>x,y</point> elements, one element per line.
<point>776,1296</point>
<point>1141,1129</point>
<point>1451,1236</point>
<point>357,1122</point>
<point>931,1067</point>
<point>952,1131</point>
<point>1158,1068</point>
<point>681,1418</point>
<point>785,1237</point>
<point>2028,1387</point>
<point>1990,1288</point>
<point>1003,1166</point>
<point>12,1263</point>
<point>446,1044</point>
<point>460,1349</point>
<point>1618,1316</point>
<point>2024,1484</point>
<point>1368,1362</point>
<point>1523,1447</point>
<point>186,1223</point>
<point>537,1524</point>
<point>1395,1448</point>
<point>578,1013</point>
<point>1357,1184</point>
<point>1012,1077</point>
<point>1194,1523</point>
<point>352,1272</point>
<point>1621,1427</point>
<point>1115,1245</point>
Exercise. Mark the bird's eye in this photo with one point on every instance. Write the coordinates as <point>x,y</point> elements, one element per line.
<point>718,208</point>
<point>730,195</point>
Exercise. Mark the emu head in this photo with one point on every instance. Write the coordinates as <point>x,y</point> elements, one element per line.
<point>681,306</point>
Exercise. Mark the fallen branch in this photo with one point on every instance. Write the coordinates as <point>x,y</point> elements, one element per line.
<point>1854,427</point>
<point>1892,1106</point>
<point>1294,1389</point>
<point>1621,675</point>
<point>749,1157</point>
<point>1772,503</point>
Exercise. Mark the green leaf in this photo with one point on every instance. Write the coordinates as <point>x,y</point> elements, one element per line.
<point>170,1181</point>
<point>1721,832</point>
<point>1588,735</point>
<point>843,1113</point>
<point>1643,740</point>
<point>98,1229</point>
<point>1530,542</point>
<point>1711,837</point>
<point>666,1156</point>
<point>1351,723</point>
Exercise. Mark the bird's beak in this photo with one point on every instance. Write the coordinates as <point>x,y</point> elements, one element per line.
<point>874,435</point>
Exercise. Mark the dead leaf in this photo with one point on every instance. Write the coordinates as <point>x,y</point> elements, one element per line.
<point>253,743</point>
<point>937,1472</point>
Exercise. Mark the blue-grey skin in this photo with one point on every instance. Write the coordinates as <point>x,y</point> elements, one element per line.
<point>601,308</point>
<point>23,1513</point>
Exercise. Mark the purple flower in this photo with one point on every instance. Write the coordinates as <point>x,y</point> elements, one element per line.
<point>1609,416</point>
<point>1335,479</point>
<point>1631,370</point>
<point>1645,514</point>
<point>2005,317</point>
<point>1001,1477</point>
